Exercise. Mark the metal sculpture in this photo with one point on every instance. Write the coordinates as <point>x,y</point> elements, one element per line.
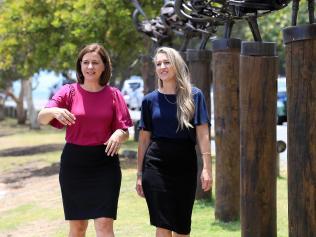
<point>153,28</point>
<point>159,34</point>
<point>186,28</point>
<point>295,7</point>
<point>228,11</point>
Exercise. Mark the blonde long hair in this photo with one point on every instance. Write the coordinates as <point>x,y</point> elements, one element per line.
<point>185,105</point>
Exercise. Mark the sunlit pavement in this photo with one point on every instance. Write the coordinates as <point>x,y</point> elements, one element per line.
<point>281,135</point>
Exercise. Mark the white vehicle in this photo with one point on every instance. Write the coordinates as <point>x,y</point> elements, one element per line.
<point>133,92</point>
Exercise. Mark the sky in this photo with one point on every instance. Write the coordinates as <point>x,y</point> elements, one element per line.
<point>46,80</point>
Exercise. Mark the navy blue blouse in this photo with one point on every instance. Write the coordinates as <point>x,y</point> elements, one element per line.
<point>159,115</point>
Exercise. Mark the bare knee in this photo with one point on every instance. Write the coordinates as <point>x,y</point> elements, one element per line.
<point>161,232</point>
<point>104,227</point>
<point>179,235</point>
<point>78,228</point>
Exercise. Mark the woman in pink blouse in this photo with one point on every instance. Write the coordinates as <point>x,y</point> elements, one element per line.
<point>96,120</point>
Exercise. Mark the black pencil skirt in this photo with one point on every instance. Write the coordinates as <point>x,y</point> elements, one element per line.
<point>90,182</point>
<point>169,183</point>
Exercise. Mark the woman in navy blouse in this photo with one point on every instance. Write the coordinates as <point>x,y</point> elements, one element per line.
<point>173,119</point>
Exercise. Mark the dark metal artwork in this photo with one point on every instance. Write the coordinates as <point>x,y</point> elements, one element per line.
<point>185,27</point>
<point>226,12</point>
<point>295,7</point>
<point>153,28</point>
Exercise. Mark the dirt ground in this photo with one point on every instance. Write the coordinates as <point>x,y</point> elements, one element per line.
<point>31,183</point>
<point>34,182</point>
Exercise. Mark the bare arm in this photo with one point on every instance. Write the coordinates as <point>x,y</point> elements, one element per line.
<point>203,140</point>
<point>143,143</point>
<point>62,115</point>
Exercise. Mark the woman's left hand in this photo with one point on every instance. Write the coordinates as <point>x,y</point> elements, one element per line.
<point>114,143</point>
<point>206,179</point>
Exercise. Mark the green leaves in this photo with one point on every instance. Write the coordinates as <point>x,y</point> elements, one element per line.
<point>47,34</point>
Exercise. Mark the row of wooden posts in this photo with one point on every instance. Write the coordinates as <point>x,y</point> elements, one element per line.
<point>244,77</point>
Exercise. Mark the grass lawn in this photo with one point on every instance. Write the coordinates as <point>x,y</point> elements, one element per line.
<point>32,207</point>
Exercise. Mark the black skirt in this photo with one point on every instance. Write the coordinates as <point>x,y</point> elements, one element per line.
<point>90,182</point>
<point>169,183</point>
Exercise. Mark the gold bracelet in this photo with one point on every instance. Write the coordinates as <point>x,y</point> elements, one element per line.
<point>205,153</point>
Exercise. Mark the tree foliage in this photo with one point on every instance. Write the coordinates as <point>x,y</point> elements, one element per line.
<point>47,34</point>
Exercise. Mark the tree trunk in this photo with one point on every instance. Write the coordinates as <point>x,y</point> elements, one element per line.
<point>2,100</point>
<point>20,112</point>
<point>31,111</point>
<point>1,112</point>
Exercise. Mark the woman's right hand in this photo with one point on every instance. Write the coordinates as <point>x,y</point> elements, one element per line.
<point>139,187</point>
<point>64,116</point>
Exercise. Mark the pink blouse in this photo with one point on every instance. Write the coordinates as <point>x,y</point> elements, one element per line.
<point>98,114</point>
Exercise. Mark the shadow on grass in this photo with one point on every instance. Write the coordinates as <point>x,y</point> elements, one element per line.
<point>128,163</point>
<point>229,226</point>
<point>205,203</point>
<point>31,150</point>
<point>15,178</point>
<point>210,203</point>
<point>4,134</point>
<point>281,177</point>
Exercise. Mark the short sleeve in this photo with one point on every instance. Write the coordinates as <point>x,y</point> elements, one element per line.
<point>61,99</point>
<point>145,122</point>
<point>200,113</point>
<point>122,118</point>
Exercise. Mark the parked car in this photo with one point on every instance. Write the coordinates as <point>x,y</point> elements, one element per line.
<point>281,101</point>
<point>133,92</point>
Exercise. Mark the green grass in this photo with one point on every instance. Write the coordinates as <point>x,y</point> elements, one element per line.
<point>24,214</point>
<point>133,220</point>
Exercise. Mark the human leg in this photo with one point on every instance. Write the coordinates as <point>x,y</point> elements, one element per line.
<point>104,227</point>
<point>78,228</point>
<point>161,232</point>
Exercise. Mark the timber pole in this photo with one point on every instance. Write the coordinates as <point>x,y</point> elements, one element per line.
<point>148,73</point>
<point>225,67</point>
<point>258,96</point>
<point>300,49</point>
<point>199,63</point>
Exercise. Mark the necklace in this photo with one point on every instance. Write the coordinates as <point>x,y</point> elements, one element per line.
<point>173,103</point>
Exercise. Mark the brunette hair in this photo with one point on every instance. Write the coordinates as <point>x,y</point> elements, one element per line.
<point>106,74</point>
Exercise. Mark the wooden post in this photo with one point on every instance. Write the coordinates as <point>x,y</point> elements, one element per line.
<point>200,70</point>
<point>148,73</point>
<point>225,65</point>
<point>281,146</point>
<point>258,97</point>
<point>300,47</point>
